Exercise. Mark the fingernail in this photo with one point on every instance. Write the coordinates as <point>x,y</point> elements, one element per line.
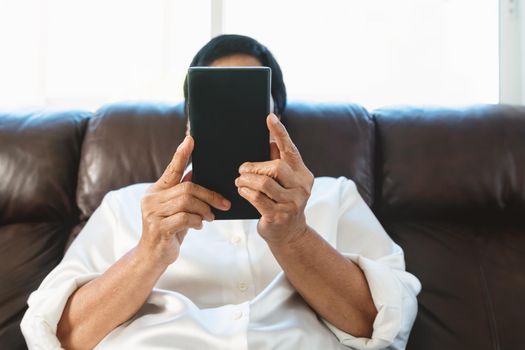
<point>226,203</point>
<point>274,119</point>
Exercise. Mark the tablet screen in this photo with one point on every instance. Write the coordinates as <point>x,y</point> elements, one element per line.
<point>227,109</point>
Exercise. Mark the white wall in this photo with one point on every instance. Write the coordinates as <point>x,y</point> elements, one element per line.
<point>522,42</point>
<point>512,51</point>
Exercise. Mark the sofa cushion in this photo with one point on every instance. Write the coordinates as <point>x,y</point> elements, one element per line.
<point>126,143</point>
<point>473,283</point>
<point>39,153</point>
<point>335,140</point>
<point>439,162</point>
<point>450,190</point>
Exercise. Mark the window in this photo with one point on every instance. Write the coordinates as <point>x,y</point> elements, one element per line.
<point>81,54</point>
<point>379,52</point>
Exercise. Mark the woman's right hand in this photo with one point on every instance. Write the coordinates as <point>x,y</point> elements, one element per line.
<point>171,206</point>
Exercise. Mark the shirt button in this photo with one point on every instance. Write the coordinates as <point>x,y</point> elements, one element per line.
<point>237,315</point>
<point>242,286</point>
<point>235,240</point>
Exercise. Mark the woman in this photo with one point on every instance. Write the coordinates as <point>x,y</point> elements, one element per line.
<point>317,270</point>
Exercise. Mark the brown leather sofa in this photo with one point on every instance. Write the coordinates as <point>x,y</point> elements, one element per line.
<point>447,184</point>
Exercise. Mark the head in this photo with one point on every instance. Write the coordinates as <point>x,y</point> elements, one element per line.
<point>238,50</point>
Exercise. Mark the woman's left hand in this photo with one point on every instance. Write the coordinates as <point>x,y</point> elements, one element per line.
<point>278,188</point>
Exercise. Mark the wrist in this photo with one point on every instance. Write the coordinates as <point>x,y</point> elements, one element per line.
<point>148,258</point>
<point>292,241</point>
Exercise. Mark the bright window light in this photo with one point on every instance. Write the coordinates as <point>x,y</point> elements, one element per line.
<point>380,52</point>
<point>82,54</point>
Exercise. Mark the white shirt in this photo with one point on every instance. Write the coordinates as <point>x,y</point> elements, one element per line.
<point>226,290</point>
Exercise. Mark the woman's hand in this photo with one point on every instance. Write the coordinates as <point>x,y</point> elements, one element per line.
<point>171,206</point>
<point>278,188</point>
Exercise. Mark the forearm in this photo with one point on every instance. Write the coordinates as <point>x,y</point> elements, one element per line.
<point>332,285</point>
<point>101,305</point>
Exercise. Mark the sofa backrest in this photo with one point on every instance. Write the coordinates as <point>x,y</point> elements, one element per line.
<point>447,184</point>
<point>450,189</point>
<point>335,140</point>
<point>39,156</point>
<point>127,143</point>
<point>450,163</point>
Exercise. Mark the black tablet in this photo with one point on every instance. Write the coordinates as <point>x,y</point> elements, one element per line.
<point>227,109</point>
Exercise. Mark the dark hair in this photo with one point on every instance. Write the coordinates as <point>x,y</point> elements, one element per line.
<point>230,44</point>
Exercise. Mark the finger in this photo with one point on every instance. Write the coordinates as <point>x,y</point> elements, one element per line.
<point>276,169</point>
<point>188,176</point>
<point>287,149</point>
<point>185,203</point>
<point>274,151</point>
<point>180,221</point>
<point>259,200</point>
<point>212,198</point>
<point>174,171</point>
<point>265,184</point>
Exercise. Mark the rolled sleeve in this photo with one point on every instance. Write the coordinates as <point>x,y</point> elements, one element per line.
<point>394,295</point>
<point>40,321</point>
<point>362,239</point>
<point>90,254</point>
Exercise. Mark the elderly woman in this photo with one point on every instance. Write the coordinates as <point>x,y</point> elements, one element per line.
<point>153,270</point>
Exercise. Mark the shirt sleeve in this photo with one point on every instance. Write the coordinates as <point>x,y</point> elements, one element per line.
<point>90,254</point>
<point>362,239</point>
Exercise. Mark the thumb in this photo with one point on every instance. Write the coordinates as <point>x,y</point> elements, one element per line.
<point>274,151</point>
